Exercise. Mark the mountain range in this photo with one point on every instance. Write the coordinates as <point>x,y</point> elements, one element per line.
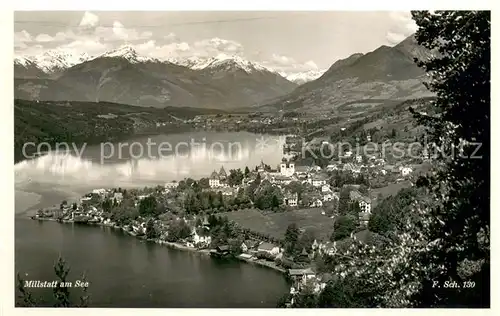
<point>124,76</point>
<point>54,61</point>
<point>48,63</point>
<point>361,81</point>
<point>224,82</point>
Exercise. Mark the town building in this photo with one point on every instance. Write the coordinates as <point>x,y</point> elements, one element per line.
<point>318,180</point>
<point>287,168</point>
<point>351,186</point>
<point>227,191</point>
<point>249,245</point>
<point>280,179</point>
<point>364,218</point>
<point>100,192</point>
<point>222,173</point>
<point>214,180</point>
<point>261,167</point>
<point>205,222</point>
<point>300,277</point>
<point>364,202</point>
<point>291,199</point>
<point>292,142</point>
<point>348,167</point>
<point>220,251</point>
<point>316,203</point>
<point>85,200</point>
<point>269,248</point>
<point>327,248</point>
<point>326,188</point>
<point>218,179</point>
<point>303,254</point>
<point>328,197</point>
<point>118,196</point>
<point>425,154</point>
<point>171,185</point>
<point>405,171</point>
<point>302,170</point>
<point>315,245</point>
<point>200,238</point>
<point>391,169</point>
<point>315,168</point>
<point>331,167</point>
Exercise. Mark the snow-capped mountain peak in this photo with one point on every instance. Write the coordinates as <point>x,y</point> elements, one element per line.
<point>23,61</point>
<point>53,60</point>
<point>127,52</point>
<point>189,62</point>
<point>232,61</point>
<point>56,60</point>
<point>221,61</point>
<point>226,62</point>
<point>304,76</point>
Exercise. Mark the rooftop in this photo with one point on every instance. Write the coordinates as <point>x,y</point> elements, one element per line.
<point>222,172</point>
<point>281,177</point>
<point>307,271</point>
<point>320,177</point>
<point>302,168</point>
<point>355,195</point>
<point>251,243</point>
<point>289,195</point>
<point>223,248</point>
<point>266,246</point>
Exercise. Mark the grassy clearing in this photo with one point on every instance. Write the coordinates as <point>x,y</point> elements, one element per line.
<point>391,189</point>
<point>275,224</point>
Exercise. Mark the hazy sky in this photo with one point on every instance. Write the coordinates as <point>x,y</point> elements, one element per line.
<point>286,40</point>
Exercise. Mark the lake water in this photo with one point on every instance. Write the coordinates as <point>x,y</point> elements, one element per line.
<point>123,271</point>
<point>193,155</point>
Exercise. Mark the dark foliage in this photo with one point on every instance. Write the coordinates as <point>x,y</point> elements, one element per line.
<point>461,78</point>
<point>343,227</point>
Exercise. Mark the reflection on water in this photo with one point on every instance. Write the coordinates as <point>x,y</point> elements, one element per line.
<point>97,167</point>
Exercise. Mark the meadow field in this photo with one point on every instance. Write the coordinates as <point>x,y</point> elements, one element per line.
<point>275,224</point>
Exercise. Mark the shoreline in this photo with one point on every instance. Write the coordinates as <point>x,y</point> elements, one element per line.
<point>26,202</point>
<point>39,199</point>
<point>262,263</point>
<point>168,244</point>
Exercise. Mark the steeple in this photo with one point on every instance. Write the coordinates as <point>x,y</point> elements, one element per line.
<point>222,172</point>
<point>261,167</point>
